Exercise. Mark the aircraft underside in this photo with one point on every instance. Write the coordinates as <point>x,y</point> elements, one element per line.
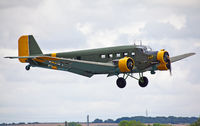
<point>120,82</point>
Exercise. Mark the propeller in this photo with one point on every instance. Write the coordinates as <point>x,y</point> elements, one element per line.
<point>167,60</point>
<point>170,67</point>
<point>130,64</point>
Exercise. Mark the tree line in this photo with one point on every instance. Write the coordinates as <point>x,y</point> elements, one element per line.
<point>136,121</point>
<point>143,119</point>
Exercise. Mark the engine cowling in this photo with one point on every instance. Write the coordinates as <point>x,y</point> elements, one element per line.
<point>163,58</point>
<point>126,64</point>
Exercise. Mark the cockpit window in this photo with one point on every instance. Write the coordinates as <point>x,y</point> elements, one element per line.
<point>145,48</point>
<point>149,48</point>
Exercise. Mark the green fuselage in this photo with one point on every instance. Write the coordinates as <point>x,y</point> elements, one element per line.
<point>95,54</point>
<point>109,54</point>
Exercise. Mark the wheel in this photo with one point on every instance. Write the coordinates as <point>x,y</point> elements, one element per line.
<point>143,81</point>
<point>27,67</point>
<point>121,82</point>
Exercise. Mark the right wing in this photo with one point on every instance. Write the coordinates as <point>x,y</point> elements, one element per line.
<point>180,57</point>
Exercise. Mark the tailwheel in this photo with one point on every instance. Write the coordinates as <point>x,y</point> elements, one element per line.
<point>121,82</point>
<point>143,81</point>
<point>28,67</point>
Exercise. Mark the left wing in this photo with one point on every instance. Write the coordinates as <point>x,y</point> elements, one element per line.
<point>82,67</point>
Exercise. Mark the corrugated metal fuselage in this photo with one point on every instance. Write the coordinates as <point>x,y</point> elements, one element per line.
<point>108,54</point>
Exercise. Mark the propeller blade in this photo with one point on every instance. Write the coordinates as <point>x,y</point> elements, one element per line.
<point>170,68</point>
<point>170,71</point>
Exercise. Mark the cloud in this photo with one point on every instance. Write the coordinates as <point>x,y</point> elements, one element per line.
<point>178,3</point>
<point>177,21</point>
<point>4,4</point>
<point>108,37</point>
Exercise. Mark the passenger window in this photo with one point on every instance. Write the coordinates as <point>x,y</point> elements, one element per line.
<point>118,55</point>
<point>125,54</point>
<point>103,56</point>
<point>132,53</point>
<point>110,55</point>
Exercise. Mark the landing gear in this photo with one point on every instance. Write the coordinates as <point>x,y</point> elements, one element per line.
<point>143,81</point>
<point>121,82</point>
<point>28,67</point>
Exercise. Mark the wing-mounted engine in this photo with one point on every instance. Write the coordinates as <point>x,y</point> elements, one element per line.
<point>163,58</point>
<point>126,64</point>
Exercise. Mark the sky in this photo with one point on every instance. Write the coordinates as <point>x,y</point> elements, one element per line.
<point>63,25</point>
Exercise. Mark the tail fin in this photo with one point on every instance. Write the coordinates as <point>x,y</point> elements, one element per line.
<point>27,46</point>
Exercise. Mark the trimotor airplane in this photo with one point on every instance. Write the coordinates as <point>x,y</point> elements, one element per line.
<point>116,60</point>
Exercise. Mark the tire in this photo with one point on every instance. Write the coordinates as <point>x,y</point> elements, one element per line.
<point>27,67</point>
<point>121,82</point>
<point>143,82</point>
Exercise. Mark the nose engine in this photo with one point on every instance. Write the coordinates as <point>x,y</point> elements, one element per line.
<point>163,58</point>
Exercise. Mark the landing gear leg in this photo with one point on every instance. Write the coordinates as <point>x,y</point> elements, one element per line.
<point>121,81</point>
<point>28,67</point>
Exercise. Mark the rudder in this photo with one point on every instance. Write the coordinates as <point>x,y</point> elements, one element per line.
<point>27,46</point>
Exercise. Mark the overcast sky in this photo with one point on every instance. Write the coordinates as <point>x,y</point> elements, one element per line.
<point>63,25</point>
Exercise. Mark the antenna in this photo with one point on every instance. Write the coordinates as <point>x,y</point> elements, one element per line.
<point>131,40</point>
<point>146,113</point>
<point>87,120</point>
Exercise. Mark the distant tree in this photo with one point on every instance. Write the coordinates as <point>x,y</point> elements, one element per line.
<point>158,124</point>
<point>20,123</point>
<point>98,121</point>
<point>123,118</point>
<point>197,123</point>
<point>33,123</point>
<point>123,123</point>
<point>74,124</point>
<point>131,123</point>
<point>109,121</point>
<point>3,124</point>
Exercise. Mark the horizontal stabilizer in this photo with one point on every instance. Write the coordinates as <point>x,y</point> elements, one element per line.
<point>17,57</point>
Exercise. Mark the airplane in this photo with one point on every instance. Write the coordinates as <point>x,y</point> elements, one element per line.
<point>113,61</point>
